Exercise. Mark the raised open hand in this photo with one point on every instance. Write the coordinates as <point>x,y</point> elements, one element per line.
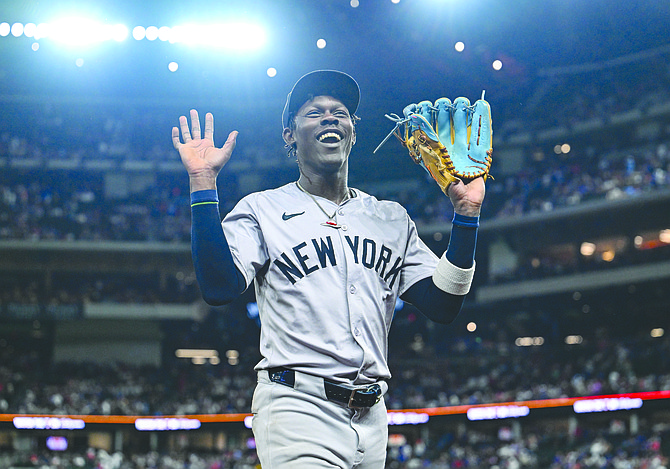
<point>202,159</point>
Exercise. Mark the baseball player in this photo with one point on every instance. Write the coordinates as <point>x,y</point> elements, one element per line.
<point>328,262</point>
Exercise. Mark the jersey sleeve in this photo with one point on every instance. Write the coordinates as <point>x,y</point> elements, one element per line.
<point>245,237</point>
<point>420,261</point>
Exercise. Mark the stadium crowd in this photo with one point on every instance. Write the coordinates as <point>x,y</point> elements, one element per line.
<point>432,373</point>
<point>537,449</point>
<point>44,205</point>
<point>611,448</point>
<point>41,199</point>
<point>40,206</point>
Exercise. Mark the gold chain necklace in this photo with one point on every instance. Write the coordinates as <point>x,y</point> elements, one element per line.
<point>332,222</point>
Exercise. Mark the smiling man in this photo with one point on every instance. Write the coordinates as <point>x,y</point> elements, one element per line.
<point>328,262</point>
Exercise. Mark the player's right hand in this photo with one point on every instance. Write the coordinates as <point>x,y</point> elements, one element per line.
<point>199,155</point>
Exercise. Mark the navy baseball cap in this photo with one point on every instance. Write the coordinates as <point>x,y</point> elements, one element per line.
<point>333,83</point>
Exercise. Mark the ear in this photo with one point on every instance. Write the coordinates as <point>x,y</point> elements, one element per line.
<point>287,134</point>
<point>353,137</point>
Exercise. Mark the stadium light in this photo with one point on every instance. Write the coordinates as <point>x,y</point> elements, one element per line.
<point>41,31</point>
<point>164,33</point>
<point>29,29</point>
<point>81,31</point>
<point>77,31</point>
<point>17,29</point>
<point>151,33</point>
<point>234,36</point>
<point>139,32</point>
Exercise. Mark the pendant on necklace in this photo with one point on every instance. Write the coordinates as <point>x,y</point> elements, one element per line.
<point>332,223</point>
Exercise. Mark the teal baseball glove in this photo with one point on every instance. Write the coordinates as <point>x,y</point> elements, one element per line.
<point>452,141</point>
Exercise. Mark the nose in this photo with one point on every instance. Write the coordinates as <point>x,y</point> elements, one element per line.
<point>329,118</point>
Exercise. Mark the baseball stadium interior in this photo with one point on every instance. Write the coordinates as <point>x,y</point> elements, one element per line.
<point>560,358</point>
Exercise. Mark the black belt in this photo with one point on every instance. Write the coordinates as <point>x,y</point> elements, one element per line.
<point>352,397</point>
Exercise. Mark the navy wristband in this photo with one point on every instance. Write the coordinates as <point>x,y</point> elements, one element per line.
<point>465,221</point>
<point>463,240</point>
<point>208,196</point>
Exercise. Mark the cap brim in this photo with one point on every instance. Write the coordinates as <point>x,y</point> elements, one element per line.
<point>333,83</point>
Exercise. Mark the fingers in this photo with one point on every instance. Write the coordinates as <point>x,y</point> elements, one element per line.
<point>175,138</point>
<point>231,141</point>
<point>194,133</point>
<point>209,126</point>
<point>185,132</point>
<point>195,125</point>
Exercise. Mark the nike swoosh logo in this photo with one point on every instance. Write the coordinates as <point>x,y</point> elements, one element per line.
<point>287,216</point>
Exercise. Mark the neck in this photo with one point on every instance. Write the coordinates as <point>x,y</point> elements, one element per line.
<point>333,189</point>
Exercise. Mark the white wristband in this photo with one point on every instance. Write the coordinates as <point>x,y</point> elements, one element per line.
<point>452,279</point>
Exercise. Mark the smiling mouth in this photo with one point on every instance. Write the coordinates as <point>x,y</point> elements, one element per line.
<point>330,137</point>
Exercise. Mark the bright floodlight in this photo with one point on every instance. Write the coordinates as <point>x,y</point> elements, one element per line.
<point>41,31</point>
<point>4,29</point>
<point>321,43</point>
<point>139,32</point>
<point>173,66</point>
<point>152,33</point>
<point>81,31</point>
<point>235,36</point>
<point>497,65</point>
<point>272,72</point>
<point>17,29</point>
<point>29,29</point>
<point>119,32</point>
<point>164,33</point>
<point>459,46</point>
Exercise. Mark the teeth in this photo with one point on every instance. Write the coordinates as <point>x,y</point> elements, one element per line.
<point>329,135</point>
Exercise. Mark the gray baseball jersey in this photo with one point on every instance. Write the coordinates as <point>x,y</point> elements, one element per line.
<point>326,294</point>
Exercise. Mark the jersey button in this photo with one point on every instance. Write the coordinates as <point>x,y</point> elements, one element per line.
<point>357,332</point>
<point>345,227</point>
<point>352,289</point>
<point>340,212</point>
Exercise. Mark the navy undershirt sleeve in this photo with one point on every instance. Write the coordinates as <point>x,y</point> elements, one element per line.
<point>219,279</point>
<point>436,304</point>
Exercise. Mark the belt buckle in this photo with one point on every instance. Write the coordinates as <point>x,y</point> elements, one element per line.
<point>351,400</point>
<point>373,387</point>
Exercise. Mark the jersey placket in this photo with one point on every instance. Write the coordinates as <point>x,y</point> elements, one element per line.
<point>354,281</point>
